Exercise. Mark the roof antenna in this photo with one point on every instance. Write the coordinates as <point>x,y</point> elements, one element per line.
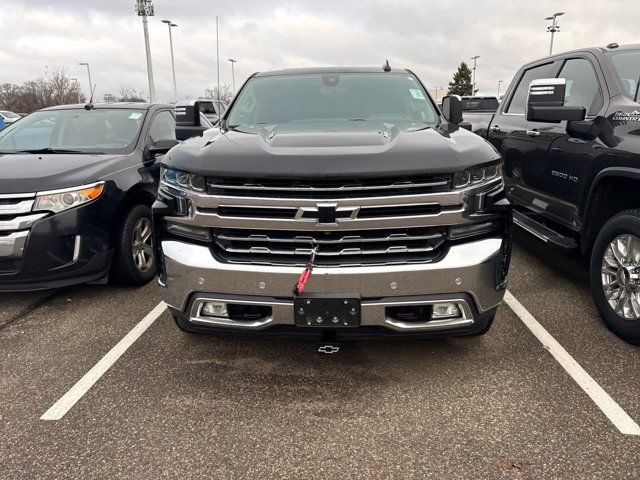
<point>386,67</point>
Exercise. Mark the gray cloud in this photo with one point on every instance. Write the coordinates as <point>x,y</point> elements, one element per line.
<point>429,37</point>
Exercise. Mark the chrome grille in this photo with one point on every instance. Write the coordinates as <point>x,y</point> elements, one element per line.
<point>328,188</point>
<point>377,247</point>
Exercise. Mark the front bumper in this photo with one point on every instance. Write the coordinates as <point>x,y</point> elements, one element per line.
<point>466,275</point>
<point>58,250</point>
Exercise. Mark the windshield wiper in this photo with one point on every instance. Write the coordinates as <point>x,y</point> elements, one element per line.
<point>52,150</point>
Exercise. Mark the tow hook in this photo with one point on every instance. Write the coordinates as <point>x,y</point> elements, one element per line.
<point>328,349</point>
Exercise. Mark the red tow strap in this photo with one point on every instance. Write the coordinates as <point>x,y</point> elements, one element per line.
<point>304,276</point>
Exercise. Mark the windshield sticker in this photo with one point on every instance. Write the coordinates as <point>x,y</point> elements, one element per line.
<point>417,94</point>
<point>135,115</point>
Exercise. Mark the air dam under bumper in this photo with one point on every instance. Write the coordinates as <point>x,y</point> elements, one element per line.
<point>466,275</point>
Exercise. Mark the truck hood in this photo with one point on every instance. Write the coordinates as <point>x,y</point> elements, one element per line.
<point>333,149</point>
<point>28,173</point>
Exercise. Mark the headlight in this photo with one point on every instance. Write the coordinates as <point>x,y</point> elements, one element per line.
<point>477,175</point>
<point>60,200</point>
<point>182,179</point>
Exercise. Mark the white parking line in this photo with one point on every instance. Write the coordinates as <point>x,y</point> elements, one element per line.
<point>69,399</point>
<point>608,405</point>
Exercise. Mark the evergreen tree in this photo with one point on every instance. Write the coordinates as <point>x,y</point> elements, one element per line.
<point>461,83</point>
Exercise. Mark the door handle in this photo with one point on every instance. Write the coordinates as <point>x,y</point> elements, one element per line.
<point>533,133</point>
<point>495,128</point>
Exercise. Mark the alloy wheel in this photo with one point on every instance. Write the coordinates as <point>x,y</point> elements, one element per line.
<point>621,276</point>
<point>142,245</point>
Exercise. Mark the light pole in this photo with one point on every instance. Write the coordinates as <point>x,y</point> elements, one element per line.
<point>144,9</point>
<point>90,84</point>
<point>473,82</point>
<point>499,83</point>
<point>170,24</point>
<point>553,28</point>
<point>233,74</point>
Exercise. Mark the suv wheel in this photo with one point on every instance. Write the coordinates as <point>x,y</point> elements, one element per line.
<point>134,262</point>
<point>615,275</point>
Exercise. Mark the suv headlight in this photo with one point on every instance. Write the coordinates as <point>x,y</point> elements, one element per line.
<point>60,200</point>
<point>183,180</point>
<point>477,176</point>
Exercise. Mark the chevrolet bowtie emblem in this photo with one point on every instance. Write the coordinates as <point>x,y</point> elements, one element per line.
<point>328,349</point>
<point>327,213</point>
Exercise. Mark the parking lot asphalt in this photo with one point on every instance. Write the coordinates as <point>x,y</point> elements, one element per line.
<point>187,406</point>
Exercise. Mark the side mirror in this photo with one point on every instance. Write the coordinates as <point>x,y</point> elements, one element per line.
<point>452,108</point>
<point>545,102</point>
<point>160,148</point>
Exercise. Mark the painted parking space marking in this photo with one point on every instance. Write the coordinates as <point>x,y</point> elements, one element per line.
<point>69,399</point>
<point>616,415</point>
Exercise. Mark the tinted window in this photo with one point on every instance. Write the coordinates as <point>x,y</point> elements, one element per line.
<point>358,97</point>
<point>583,89</point>
<point>163,127</point>
<point>485,104</point>
<point>104,130</point>
<point>627,66</point>
<point>519,100</point>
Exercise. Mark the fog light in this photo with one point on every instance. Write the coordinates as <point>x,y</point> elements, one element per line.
<point>214,309</point>
<point>445,310</point>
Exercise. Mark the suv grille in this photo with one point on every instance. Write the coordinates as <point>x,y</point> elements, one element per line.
<point>382,247</point>
<point>328,188</point>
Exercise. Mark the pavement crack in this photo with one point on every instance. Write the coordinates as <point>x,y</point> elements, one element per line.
<point>30,308</point>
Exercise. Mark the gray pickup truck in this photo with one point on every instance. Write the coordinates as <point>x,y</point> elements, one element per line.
<point>334,202</point>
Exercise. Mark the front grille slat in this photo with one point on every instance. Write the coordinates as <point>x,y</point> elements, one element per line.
<point>328,188</point>
<point>333,248</point>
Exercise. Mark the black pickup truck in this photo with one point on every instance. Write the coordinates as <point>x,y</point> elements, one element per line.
<point>569,132</point>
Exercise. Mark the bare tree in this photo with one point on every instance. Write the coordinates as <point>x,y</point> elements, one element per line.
<point>56,89</point>
<point>226,93</point>
<point>129,95</point>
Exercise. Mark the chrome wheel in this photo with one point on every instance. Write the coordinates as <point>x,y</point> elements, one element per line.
<point>621,276</point>
<point>142,245</point>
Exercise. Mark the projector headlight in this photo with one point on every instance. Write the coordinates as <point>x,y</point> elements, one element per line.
<point>477,176</point>
<point>176,178</point>
<point>60,200</point>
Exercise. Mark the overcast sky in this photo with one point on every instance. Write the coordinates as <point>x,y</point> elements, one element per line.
<point>430,37</point>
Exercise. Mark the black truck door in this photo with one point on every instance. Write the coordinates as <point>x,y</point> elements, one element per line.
<point>523,147</point>
<point>570,159</point>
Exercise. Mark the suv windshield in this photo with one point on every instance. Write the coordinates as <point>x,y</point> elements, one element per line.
<point>396,98</point>
<point>627,65</point>
<point>95,130</point>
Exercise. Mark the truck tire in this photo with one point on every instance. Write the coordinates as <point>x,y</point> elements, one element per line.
<point>615,275</point>
<point>134,262</point>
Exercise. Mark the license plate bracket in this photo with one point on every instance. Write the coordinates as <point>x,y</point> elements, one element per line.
<point>327,310</point>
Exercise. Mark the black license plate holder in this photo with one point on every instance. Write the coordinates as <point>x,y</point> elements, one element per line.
<point>327,310</point>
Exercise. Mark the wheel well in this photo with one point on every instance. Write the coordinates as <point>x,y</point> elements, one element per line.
<point>132,198</point>
<point>611,195</point>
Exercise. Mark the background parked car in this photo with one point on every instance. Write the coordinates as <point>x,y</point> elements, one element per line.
<point>76,189</point>
<point>478,110</point>
<point>9,117</point>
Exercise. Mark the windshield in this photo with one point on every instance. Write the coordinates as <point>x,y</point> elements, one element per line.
<point>627,66</point>
<point>7,114</point>
<point>95,130</point>
<point>393,98</point>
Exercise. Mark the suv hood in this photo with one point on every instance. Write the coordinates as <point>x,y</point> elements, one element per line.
<point>29,173</point>
<point>333,149</point>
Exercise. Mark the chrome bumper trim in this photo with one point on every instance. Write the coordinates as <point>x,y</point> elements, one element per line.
<point>467,268</point>
<point>21,223</point>
<point>373,314</point>
<point>12,245</point>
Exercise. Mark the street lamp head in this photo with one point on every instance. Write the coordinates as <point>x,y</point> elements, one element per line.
<point>173,25</point>
<point>166,21</point>
<point>558,14</point>
<point>144,8</point>
<point>83,63</point>
<point>549,18</point>
<point>232,60</point>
